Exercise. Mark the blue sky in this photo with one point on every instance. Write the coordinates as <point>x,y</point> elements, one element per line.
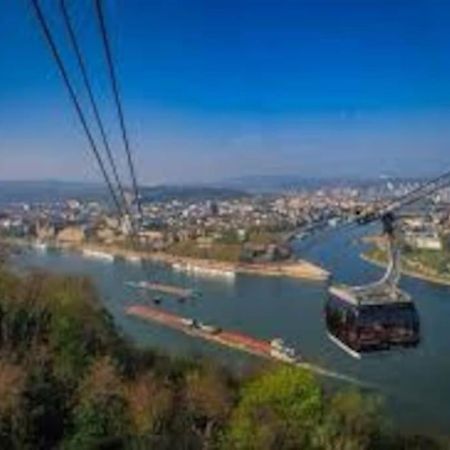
<point>218,89</point>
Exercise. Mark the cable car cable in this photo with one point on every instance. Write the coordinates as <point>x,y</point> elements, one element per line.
<point>73,97</point>
<point>437,183</point>
<point>411,197</point>
<point>422,187</point>
<point>115,89</point>
<point>112,75</point>
<point>82,66</point>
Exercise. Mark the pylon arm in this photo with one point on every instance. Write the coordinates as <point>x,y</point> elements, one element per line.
<point>387,286</point>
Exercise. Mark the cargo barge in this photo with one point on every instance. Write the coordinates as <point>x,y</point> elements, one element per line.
<point>163,288</point>
<point>275,349</point>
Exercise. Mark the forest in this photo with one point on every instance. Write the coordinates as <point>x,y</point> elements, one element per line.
<point>69,379</point>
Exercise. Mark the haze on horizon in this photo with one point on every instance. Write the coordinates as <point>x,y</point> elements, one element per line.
<point>216,90</point>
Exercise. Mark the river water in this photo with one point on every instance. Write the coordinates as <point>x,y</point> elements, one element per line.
<point>414,383</point>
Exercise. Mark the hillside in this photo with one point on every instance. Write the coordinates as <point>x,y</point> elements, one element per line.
<point>69,380</point>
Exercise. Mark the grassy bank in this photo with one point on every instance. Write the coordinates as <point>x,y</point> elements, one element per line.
<point>412,265</point>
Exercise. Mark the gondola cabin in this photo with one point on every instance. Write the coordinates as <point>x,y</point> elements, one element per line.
<point>361,323</point>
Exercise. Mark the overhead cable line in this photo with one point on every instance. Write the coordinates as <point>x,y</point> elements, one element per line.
<point>124,133</point>
<point>369,216</point>
<point>81,63</point>
<point>115,89</point>
<point>416,194</point>
<point>73,96</point>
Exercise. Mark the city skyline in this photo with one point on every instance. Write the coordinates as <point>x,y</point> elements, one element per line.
<point>211,92</point>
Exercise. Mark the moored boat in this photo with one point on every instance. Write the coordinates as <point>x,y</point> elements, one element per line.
<point>96,254</point>
<point>204,270</point>
<point>279,350</point>
<point>41,246</point>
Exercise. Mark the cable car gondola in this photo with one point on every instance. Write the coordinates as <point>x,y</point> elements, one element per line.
<point>377,316</point>
<point>368,323</point>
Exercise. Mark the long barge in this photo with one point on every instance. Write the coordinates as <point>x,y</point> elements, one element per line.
<point>163,288</point>
<point>275,349</point>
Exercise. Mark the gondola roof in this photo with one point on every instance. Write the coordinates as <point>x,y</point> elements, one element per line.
<point>359,296</point>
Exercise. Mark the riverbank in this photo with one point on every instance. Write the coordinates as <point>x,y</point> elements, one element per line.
<point>293,268</point>
<point>408,272</point>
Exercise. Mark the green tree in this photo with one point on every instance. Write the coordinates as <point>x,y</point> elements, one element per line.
<point>5,251</point>
<point>208,399</point>
<point>278,410</point>
<point>44,403</point>
<point>12,388</point>
<point>350,422</point>
<point>150,406</point>
<point>99,415</point>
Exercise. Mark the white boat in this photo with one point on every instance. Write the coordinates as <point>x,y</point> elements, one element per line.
<point>41,246</point>
<point>209,329</point>
<point>333,222</point>
<point>95,254</point>
<point>179,267</point>
<point>197,270</point>
<point>188,322</point>
<point>279,350</point>
<point>133,259</point>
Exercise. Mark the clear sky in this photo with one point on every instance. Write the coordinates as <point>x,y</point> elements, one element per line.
<point>217,89</point>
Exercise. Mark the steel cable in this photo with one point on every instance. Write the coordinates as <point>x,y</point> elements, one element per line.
<point>73,97</point>
<point>82,66</point>
<point>118,102</point>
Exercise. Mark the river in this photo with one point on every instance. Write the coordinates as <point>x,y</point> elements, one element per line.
<point>414,383</point>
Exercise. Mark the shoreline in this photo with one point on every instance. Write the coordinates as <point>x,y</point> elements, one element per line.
<point>294,269</point>
<point>300,269</point>
<point>410,273</point>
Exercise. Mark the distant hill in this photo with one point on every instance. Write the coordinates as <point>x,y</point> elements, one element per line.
<point>49,190</point>
<point>277,183</point>
<point>190,192</point>
<point>53,190</point>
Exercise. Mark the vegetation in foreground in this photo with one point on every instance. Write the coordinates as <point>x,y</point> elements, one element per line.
<point>68,380</point>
